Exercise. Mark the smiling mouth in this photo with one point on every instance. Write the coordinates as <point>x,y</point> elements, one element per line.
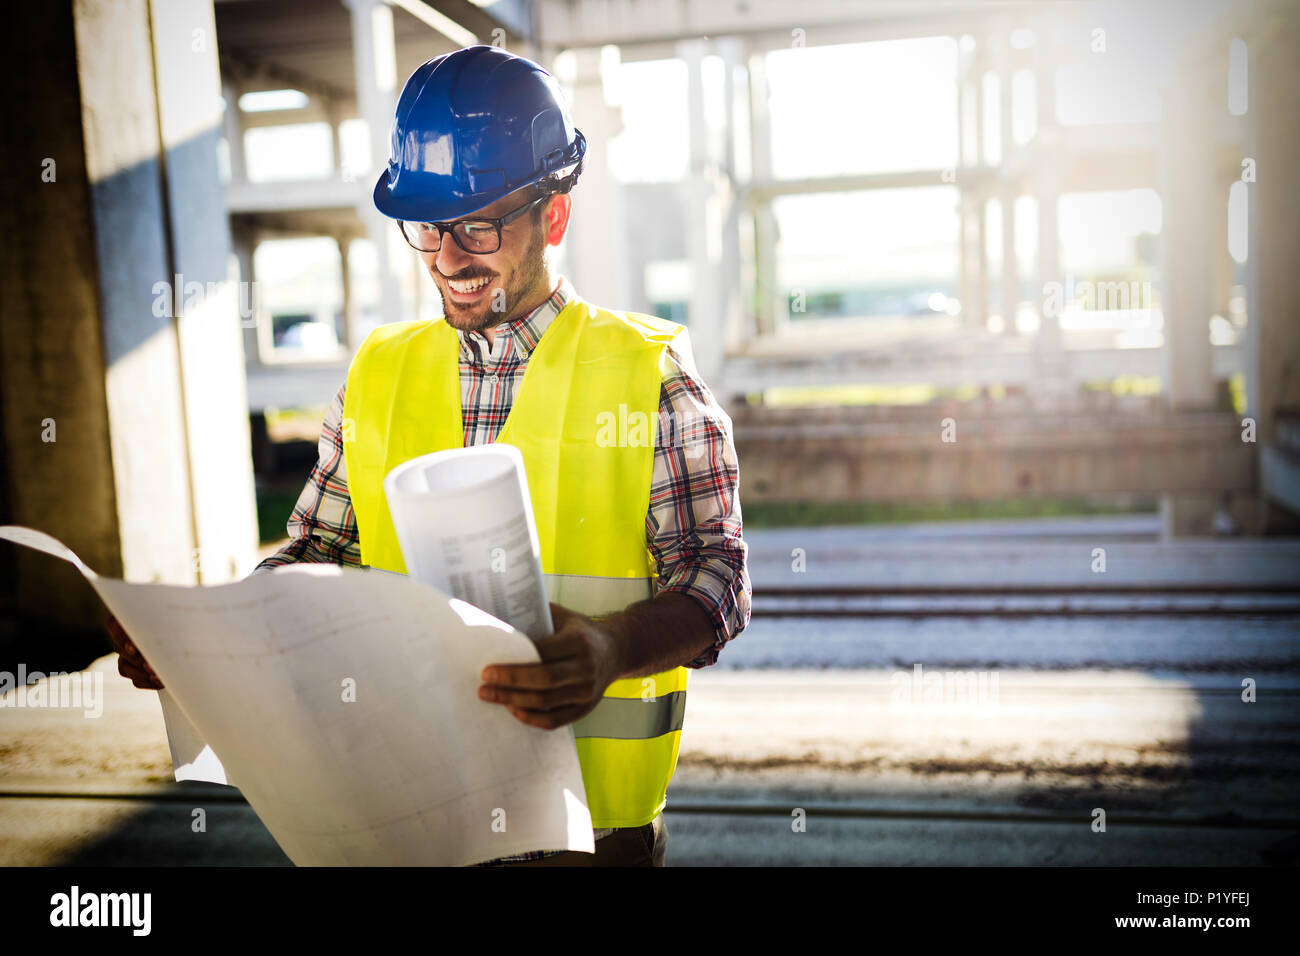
<point>466,287</point>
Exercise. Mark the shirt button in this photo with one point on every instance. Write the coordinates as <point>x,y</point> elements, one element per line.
<point>491,379</point>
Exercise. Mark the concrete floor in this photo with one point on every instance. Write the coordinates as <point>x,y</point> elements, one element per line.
<point>1140,717</point>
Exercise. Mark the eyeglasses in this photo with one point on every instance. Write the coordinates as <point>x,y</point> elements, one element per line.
<point>478,237</point>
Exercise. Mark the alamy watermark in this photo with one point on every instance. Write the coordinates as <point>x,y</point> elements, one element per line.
<point>943,690</point>
<point>180,297</point>
<point>26,688</point>
<point>624,428</point>
<point>1069,296</point>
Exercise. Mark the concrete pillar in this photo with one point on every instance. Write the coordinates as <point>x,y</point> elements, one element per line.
<point>124,409</point>
<point>703,210</point>
<point>233,127</point>
<point>965,288</point>
<point>770,300</point>
<point>243,243</point>
<point>976,77</point>
<point>595,241</point>
<point>976,317</point>
<point>1047,179</point>
<point>1192,206</point>
<point>350,330</point>
<point>732,308</point>
<point>336,144</point>
<point>1008,188</point>
<point>210,335</point>
<point>374,54</point>
<point>1191,202</point>
<point>1010,278</point>
<point>1273,250</point>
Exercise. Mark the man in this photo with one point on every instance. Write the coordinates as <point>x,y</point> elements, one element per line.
<point>641,539</point>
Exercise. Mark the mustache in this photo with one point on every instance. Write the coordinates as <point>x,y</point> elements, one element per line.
<point>465,275</point>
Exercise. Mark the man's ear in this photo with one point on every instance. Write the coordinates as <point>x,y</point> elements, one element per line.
<point>556,218</point>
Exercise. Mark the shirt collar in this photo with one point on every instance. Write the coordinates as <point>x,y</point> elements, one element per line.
<point>517,337</point>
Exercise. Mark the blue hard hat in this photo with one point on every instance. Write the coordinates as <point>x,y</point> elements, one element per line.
<point>471,127</point>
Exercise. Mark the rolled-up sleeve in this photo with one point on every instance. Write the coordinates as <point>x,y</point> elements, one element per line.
<point>693,526</point>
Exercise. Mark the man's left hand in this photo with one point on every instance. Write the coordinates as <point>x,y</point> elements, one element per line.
<point>578,661</point>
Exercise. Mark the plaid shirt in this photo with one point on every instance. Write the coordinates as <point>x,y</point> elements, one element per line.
<point>693,525</point>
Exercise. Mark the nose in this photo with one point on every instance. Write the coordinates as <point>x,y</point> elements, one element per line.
<point>451,258</point>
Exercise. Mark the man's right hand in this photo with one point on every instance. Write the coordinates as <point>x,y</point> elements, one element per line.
<point>130,662</point>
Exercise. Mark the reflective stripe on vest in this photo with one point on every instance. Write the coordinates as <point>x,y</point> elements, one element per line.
<point>591,374</point>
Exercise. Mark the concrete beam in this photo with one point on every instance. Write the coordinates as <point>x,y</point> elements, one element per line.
<point>297,195</point>
<point>1014,365</point>
<point>992,457</point>
<point>659,24</point>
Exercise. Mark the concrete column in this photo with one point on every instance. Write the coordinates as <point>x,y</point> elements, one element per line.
<point>976,77</point>
<point>336,143</point>
<point>243,243</point>
<point>1010,278</point>
<point>1191,201</point>
<point>350,331</point>
<point>965,288</point>
<point>210,334</point>
<point>1273,251</point>
<point>731,313</point>
<point>703,210</point>
<point>1008,189</point>
<point>233,127</point>
<point>112,376</point>
<point>1047,178</point>
<point>976,316</point>
<point>966,293</point>
<point>374,53</point>
<point>769,299</point>
<point>1193,205</point>
<point>595,240</point>
<point>963,76</point>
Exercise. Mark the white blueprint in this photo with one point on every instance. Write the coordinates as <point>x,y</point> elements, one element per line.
<point>464,520</point>
<point>416,770</point>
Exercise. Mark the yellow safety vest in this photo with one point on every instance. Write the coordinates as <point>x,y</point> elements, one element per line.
<point>585,419</point>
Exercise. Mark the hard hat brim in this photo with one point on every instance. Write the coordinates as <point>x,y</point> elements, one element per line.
<point>420,208</point>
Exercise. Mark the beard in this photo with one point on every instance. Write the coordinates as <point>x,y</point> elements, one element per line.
<point>500,303</point>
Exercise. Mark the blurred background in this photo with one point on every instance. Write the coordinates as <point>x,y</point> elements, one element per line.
<point>1001,299</point>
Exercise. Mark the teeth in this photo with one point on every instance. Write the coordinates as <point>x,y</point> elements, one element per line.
<point>465,288</point>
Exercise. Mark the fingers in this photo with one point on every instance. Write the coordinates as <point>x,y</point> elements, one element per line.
<point>116,634</point>
<point>560,614</point>
<point>130,662</point>
<point>140,676</point>
<point>564,658</point>
<point>550,699</point>
<point>551,719</point>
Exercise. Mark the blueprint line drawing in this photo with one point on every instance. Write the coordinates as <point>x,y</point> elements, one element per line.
<point>343,704</point>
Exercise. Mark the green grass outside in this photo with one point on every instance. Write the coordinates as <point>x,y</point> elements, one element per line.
<point>274,505</point>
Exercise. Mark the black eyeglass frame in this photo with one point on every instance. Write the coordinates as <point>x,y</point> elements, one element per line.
<point>450,226</point>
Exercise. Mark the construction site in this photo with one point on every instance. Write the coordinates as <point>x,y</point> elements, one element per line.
<point>1001,300</point>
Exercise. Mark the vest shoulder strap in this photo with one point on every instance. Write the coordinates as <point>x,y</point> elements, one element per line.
<point>630,331</point>
<point>651,327</point>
